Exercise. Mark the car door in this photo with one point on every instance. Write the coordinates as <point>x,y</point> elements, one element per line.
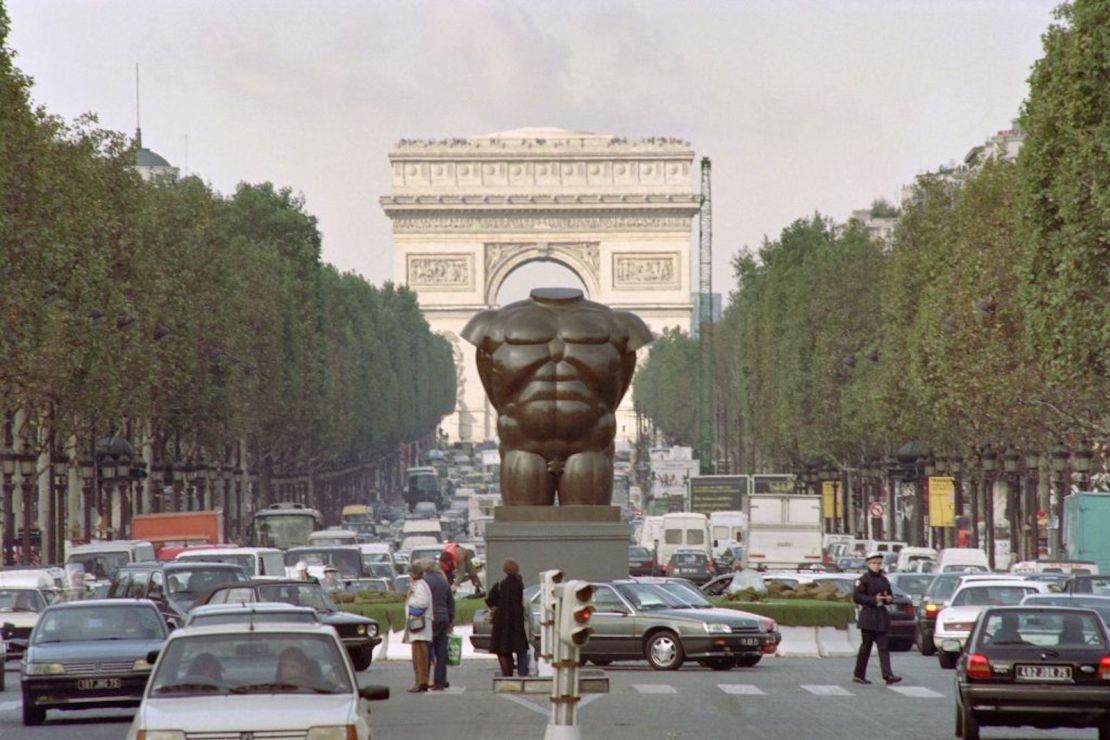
<point>612,623</point>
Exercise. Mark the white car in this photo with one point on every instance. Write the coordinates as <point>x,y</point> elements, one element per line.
<point>242,680</point>
<point>955,622</point>
<point>257,612</point>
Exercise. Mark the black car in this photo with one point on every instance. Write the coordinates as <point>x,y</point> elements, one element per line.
<point>175,586</point>
<point>1034,666</point>
<point>359,634</point>
<point>641,561</point>
<point>914,584</point>
<point>934,600</point>
<point>902,620</point>
<point>692,565</point>
<point>86,654</point>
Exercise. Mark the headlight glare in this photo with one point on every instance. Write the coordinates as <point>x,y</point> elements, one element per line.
<point>361,629</point>
<point>141,665</point>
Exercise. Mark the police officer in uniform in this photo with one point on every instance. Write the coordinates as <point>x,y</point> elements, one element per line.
<point>873,593</point>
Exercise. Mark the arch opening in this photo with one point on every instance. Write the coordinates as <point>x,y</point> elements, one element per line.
<point>537,273</point>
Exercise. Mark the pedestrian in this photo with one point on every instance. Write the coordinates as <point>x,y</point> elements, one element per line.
<point>302,574</point>
<point>873,593</point>
<point>331,582</point>
<point>456,559</point>
<point>418,625</point>
<point>509,636</point>
<point>443,606</point>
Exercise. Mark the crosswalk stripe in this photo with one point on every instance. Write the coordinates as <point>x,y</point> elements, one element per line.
<point>917,692</point>
<point>451,690</point>
<point>7,706</point>
<point>654,688</point>
<point>741,689</point>
<point>820,690</point>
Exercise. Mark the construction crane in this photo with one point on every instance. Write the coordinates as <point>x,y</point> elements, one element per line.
<point>706,410</point>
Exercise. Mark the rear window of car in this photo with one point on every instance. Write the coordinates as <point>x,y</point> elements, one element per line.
<point>942,587</point>
<point>1087,585</point>
<point>687,558</point>
<point>638,552</point>
<point>1042,629</point>
<point>914,584</point>
<point>991,596</point>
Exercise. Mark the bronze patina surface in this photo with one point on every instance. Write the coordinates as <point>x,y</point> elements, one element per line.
<point>555,368</point>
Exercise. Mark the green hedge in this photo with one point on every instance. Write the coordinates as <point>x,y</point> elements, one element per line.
<point>797,612</point>
<point>392,614</point>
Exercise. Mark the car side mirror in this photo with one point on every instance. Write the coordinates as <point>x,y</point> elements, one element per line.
<point>171,624</point>
<point>152,656</point>
<point>373,693</point>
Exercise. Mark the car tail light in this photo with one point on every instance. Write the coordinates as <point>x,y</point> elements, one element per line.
<point>931,609</point>
<point>978,666</point>
<point>908,609</point>
<point>1104,669</point>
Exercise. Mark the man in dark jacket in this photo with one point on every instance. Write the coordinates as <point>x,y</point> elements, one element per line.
<point>443,620</point>
<point>873,593</point>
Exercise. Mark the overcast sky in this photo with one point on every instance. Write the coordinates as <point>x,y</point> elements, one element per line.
<point>802,106</point>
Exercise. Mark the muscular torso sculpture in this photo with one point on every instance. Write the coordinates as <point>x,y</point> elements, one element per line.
<point>555,367</point>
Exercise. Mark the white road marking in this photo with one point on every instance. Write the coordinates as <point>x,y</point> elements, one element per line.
<point>917,692</point>
<point>527,704</point>
<point>452,690</point>
<point>589,699</point>
<point>820,690</point>
<point>741,689</point>
<point>654,688</point>
<point>9,706</point>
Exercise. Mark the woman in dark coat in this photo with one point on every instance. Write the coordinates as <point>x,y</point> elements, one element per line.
<point>510,635</point>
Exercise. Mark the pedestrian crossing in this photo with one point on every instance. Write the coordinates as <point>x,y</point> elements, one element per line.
<point>819,690</point>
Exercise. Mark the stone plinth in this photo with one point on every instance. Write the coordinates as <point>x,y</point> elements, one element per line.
<point>586,542</point>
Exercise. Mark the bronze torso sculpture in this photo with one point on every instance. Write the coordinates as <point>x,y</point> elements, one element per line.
<point>555,367</point>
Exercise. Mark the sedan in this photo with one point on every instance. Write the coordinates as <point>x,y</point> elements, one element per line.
<point>641,561</point>
<point>694,566</point>
<point>1039,666</point>
<point>247,680</point>
<point>359,634</point>
<point>86,654</point>
<point>257,613</point>
<point>955,622</point>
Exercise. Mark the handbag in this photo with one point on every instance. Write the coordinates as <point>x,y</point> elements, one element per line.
<point>416,624</point>
<point>454,649</point>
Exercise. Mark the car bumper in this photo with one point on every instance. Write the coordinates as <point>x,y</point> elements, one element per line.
<point>360,642</point>
<point>901,630</point>
<point>711,646</point>
<point>63,692</point>
<point>1017,704</point>
<point>940,637</point>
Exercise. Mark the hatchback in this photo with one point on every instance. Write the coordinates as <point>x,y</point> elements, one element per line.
<point>693,565</point>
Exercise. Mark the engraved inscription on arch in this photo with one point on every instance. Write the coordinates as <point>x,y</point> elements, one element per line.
<point>441,271</point>
<point>638,270</point>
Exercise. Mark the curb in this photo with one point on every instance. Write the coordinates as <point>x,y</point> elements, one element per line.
<point>394,647</point>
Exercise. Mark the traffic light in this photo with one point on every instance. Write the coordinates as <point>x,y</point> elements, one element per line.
<point>549,604</point>
<point>574,613</point>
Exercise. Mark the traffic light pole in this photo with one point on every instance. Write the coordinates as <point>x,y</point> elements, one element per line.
<point>571,630</point>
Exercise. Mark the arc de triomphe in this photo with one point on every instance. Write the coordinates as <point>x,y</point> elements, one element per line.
<point>468,212</point>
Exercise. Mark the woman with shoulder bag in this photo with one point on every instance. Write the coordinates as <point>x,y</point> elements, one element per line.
<point>418,626</point>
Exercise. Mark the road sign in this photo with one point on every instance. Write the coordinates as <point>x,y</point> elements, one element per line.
<point>876,509</point>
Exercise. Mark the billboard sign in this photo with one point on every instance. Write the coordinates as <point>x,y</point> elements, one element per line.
<point>709,493</point>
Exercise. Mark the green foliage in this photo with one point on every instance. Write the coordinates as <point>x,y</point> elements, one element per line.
<point>666,387</point>
<point>391,614</point>
<point>797,612</point>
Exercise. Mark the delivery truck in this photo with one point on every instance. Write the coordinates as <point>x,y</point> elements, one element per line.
<point>784,530</point>
<point>1086,522</point>
<point>179,528</point>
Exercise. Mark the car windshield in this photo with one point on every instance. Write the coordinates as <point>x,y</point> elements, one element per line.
<point>648,596</point>
<point>639,553</point>
<point>942,587</point>
<point>349,562</point>
<point>914,585</point>
<point>1041,629</point>
<point>376,557</point>
<point>297,594</point>
<point>283,530</point>
<point>687,593</point>
<point>185,586</point>
<point>1093,585</point>
<point>21,600</point>
<point>687,558</point>
<point>368,584</point>
<point>99,622</point>
<point>244,616</point>
<point>958,568</point>
<point>244,559</point>
<point>251,663</point>
<point>990,596</point>
<point>1097,603</point>
<point>102,565</point>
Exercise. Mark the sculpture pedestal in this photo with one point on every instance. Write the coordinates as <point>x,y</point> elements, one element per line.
<point>585,542</point>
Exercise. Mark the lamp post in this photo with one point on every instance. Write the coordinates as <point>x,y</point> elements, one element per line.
<point>1081,463</point>
<point>990,464</point>
<point>1060,456</point>
<point>56,521</point>
<point>1011,465</point>
<point>27,465</point>
<point>911,456</point>
<point>1033,537</point>
<point>7,466</point>
<point>955,469</point>
<point>87,470</point>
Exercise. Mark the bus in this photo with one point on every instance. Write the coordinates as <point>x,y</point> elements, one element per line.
<point>284,525</point>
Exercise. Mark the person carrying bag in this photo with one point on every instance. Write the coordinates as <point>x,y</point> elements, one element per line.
<point>418,626</point>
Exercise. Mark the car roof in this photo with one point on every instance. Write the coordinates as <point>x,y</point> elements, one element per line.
<point>999,582</point>
<point>255,606</point>
<point>246,628</point>
<point>180,565</point>
<point>250,583</point>
<point>101,603</point>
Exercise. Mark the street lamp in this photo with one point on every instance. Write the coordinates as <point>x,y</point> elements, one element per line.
<point>8,465</point>
<point>87,469</point>
<point>27,465</point>
<point>1011,465</point>
<point>1032,508</point>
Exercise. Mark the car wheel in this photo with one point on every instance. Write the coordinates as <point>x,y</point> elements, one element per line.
<point>32,715</point>
<point>747,661</point>
<point>947,660</point>
<point>362,657</point>
<point>968,725</point>
<point>600,661</point>
<point>664,651</point>
<point>925,647</point>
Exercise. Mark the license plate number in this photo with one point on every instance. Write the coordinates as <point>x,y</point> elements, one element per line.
<point>86,684</point>
<point>749,641</point>
<point>1043,672</point>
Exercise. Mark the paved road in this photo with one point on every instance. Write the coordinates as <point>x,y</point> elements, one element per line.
<point>782,698</point>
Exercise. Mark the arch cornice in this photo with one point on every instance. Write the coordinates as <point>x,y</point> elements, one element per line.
<point>583,258</point>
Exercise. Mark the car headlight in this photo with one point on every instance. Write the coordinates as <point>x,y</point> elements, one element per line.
<point>141,665</point>
<point>768,625</point>
<point>160,735</point>
<point>332,732</point>
<point>722,629</point>
<point>361,629</point>
<point>45,669</point>
<point>372,630</point>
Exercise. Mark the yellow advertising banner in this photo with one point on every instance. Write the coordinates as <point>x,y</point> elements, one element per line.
<point>831,505</point>
<point>942,501</point>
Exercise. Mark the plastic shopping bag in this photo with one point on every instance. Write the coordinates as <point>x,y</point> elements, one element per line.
<point>454,650</point>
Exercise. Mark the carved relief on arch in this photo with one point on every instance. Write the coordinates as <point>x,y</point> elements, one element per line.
<point>460,369</point>
<point>582,258</point>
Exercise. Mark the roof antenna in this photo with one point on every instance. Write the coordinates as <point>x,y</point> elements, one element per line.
<point>138,126</point>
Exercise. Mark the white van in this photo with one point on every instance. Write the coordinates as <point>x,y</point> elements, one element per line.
<point>686,530</point>
<point>102,559</point>
<point>259,562</point>
<point>426,527</point>
<point>962,559</point>
<point>909,555</point>
<point>727,529</point>
<point>333,537</point>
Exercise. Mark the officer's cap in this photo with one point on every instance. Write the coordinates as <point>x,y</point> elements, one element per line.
<point>874,555</point>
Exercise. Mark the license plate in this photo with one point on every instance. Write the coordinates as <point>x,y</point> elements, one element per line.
<point>1043,672</point>
<point>86,684</point>
<point>749,641</point>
